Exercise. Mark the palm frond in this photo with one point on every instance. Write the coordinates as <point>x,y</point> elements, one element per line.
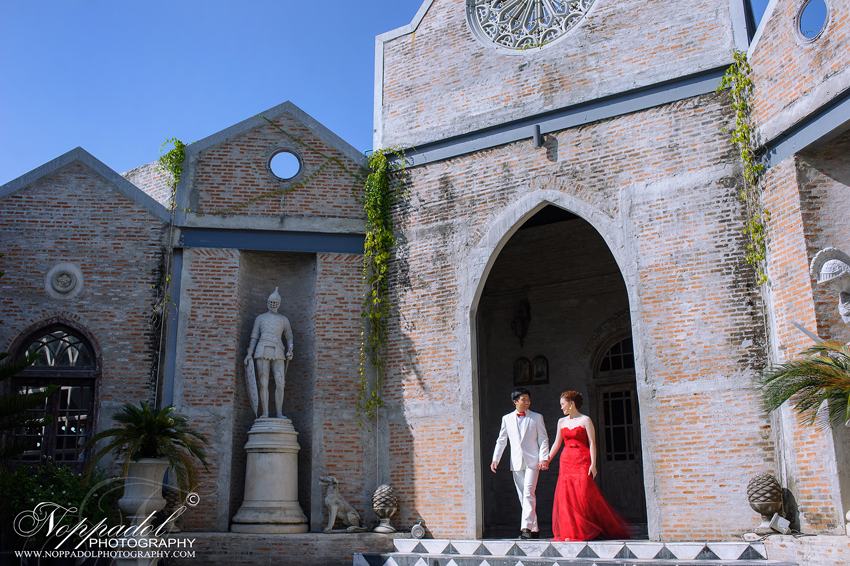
<point>17,404</point>
<point>821,376</point>
<point>14,407</point>
<point>8,369</point>
<point>154,433</point>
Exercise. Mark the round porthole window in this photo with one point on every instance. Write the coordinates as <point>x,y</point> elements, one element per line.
<point>811,20</point>
<point>285,165</point>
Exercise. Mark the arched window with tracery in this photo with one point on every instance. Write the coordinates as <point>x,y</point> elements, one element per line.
<point>69,359</point>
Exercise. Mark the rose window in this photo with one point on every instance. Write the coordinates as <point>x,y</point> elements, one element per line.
<point>523,24</point>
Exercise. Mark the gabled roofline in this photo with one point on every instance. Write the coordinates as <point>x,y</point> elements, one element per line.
<point>409,28</point>
<point>380,40</point>
<point>123,186</point>
<point>738,17</point>
<point>768,14</point>
<point>287,107</point>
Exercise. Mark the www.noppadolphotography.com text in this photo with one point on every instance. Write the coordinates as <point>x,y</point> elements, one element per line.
<point>81,538</point>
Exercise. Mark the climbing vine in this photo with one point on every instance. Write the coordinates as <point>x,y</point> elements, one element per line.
<point>379,198</point>
<point>737,80</point>
<point>172,162</point>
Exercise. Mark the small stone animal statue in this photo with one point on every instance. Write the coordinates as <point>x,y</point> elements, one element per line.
<point>339,508</point>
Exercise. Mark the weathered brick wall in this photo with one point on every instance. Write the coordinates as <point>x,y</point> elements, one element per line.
<point>441,81</point>
<point>233,176</point>
<point>792,78</point>
<point>206,387</point>
<point>671,218</point>
<point>341,448</point>
<point>320,295</point>
<point>74,215</point>
<point>805,450</point>
<point>295,275</point>
<point>824,180</point>
<point>224,291</point>
<point>824,177</point>
<point>151,180</point>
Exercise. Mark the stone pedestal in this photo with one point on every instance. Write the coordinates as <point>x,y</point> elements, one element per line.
<point>142,497</point>
<point>271,504</point>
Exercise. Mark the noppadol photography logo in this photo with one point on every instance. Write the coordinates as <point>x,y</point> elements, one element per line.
<point>70,535</point>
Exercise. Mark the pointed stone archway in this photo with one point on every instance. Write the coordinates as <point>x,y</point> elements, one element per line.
<point>560,270</point>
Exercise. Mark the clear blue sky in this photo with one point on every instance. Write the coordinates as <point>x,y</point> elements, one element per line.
<point>118,77</point>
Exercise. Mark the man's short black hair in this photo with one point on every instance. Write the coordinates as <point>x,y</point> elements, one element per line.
<point>519,392</point>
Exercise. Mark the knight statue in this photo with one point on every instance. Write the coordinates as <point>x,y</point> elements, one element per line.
<point>266,349</point>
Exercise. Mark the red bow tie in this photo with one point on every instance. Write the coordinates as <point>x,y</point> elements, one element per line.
<point>520,414</point>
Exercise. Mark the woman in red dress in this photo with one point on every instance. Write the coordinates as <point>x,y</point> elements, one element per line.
<point>580,511</point>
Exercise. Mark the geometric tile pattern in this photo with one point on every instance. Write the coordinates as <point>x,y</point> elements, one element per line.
<point>443,552</point>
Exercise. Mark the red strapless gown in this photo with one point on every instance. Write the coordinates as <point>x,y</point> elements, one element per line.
<point>580,512</point>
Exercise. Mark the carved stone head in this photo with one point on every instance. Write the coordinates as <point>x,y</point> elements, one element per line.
<point>831,268</point>
<point>274,301</point>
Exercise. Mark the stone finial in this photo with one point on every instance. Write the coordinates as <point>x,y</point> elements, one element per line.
<point>384,504</point>
<point>765,497</point>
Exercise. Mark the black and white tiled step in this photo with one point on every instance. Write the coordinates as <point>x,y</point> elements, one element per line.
<point>442,552</point>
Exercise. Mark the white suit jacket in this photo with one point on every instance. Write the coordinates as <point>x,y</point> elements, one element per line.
<point>529,441</point>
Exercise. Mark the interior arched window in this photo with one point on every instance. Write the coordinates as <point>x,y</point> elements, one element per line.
<point>620,356</point>
<point>68,359</point>
<point>618,401</point>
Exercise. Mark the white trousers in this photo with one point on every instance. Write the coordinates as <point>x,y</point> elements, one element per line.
<point>526,486</point>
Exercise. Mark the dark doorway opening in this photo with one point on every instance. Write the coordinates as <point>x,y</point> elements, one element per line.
<point>553,287</point>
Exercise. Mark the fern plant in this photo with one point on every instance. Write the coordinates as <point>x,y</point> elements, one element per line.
<point>154,433</point>
<point>822,375</point>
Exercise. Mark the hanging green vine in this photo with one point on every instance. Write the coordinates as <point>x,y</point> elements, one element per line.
<point>172,162</point>
<point>379,198</point>
<point>737,80</point>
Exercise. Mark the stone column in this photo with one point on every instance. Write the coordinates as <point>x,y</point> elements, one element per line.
<point>271,481</point>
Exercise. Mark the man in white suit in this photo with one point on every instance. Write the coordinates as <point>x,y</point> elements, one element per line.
<point>529,446</point>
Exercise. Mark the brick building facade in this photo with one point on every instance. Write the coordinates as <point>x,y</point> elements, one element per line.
<point>617,123</point>
<point>574,201</point>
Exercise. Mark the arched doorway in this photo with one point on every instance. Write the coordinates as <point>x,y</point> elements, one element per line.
<point>552,286</point>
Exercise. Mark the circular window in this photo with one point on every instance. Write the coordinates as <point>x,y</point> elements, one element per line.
<point>811,20</point>
<point>285,165</point>
<point>524,24</point>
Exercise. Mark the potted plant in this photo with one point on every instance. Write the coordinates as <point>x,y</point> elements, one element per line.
<point>821,375</point>
<point>147,442</point>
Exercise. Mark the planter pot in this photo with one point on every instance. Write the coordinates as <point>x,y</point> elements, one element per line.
<point>142,497</point>
<point>143,489</point>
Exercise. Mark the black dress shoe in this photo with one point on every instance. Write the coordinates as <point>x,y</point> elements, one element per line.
<point>526,534</point>
<point>535,535</point>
